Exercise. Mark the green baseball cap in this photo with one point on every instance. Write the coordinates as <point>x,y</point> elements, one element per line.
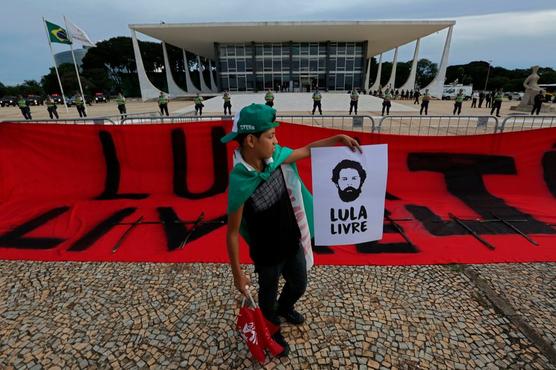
<point>252,119</point>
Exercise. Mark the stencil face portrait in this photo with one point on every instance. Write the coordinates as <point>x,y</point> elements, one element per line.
<point>349,177</point>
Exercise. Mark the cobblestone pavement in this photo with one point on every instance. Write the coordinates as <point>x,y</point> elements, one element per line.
<point>168,316</point>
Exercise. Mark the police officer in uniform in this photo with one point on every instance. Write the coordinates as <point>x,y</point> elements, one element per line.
<point>163,104</point>
<point>269,98</point>
<point>417,94</point>
<point>386,102</point>
<point>80,105</point>
<point>354,98</point>
<point>317,97</point>
<point>51,107</point>
<point>23,105</point>
<point>227,102</point>
<point>537,103</point>
<point>497,102</point>
<point>198,100</point>
<point>120,101</point>
<point>425,102</point>
<point>458,103</point>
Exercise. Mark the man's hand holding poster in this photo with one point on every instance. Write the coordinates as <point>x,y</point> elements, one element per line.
<point>348,194</point>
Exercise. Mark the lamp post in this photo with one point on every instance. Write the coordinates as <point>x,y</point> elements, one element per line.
<point>488,72</point>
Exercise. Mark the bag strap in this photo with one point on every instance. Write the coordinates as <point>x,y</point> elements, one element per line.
<point>253,304</point>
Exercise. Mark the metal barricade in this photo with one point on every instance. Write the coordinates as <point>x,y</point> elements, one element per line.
<point>119,118</point>
<point>526,122</point>
<point>437,125</point>
<point>342,122</point>
<point>172,119</point>
<point>66,121</point>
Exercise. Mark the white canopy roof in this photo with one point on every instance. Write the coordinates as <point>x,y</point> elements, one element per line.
<point>199,38</point>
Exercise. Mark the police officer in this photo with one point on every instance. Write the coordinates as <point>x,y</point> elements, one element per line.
<point>475,97</point>
<point>163,104</point>
<point>537,103</point>
<point>353,99</point>
<point>80,105</point>
<point>51,107</point>
<point>417,94</point>
<point>425,102</point>
<point>269,98</point>
<point>458,103</point>
<point>120,101</point>
<point>386,102</point>
<point>23,105</point>
<point>481,98</point>
<point>227,102</point>
<point>198,100</point>
<point>317,97</point>
<point>497,102</point>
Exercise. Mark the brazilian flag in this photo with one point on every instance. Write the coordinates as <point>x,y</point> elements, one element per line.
<point>57,33</point>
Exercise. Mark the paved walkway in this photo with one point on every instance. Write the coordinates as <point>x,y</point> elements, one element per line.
<point>300,103</point>
<point>168,316</point>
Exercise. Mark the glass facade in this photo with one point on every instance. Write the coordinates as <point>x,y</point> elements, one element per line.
<point>290,66</point>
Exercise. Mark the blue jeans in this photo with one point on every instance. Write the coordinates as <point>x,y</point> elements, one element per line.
<point>294,271</point>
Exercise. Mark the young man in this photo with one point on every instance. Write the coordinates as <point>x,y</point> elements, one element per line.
<point>198,100</point>
<point>261,209</point>
<point>227,102</point>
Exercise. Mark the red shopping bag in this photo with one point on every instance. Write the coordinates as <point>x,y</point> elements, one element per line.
<point>253,328</point>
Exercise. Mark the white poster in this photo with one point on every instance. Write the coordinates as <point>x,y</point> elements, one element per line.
<point>348,194</point>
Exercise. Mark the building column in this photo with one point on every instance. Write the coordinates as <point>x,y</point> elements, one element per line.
<point>217,65</point>
<point>392,81</point>
<point>410,83</point>
<point>173,88</point>
<point>204,87</point>
<point>327,64</point>
<point>291,84</point>
<point>191,89</point>
<point>437,84</point>
<point>367,74</point>
<point>364,82</point>
<point>376,84</point>
<point>148,90</point>
<point>213,87</point>
<point>254,62</point>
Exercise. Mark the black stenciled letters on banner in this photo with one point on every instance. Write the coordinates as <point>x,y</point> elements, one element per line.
<point>462,173</point>
<point>549,169</point>
<point>175,231</point>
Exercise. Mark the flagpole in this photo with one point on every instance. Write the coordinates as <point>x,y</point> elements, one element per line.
<point>54,62</point>
<point>75,64</point>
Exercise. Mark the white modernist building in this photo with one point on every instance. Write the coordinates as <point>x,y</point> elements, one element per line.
<point>292,56</point>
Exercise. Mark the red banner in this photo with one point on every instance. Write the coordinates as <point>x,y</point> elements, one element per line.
<point>158,193</point>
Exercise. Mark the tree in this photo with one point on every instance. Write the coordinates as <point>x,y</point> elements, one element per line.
<point>426,70</point>
<point>68,77</point>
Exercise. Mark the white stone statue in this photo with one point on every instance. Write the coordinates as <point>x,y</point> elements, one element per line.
<point>531,87</point>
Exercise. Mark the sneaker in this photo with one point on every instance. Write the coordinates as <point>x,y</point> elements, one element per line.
<point>279,338</point>
<point>293,317</point>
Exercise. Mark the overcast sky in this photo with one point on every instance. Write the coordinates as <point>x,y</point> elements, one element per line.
<point>511,33</point>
